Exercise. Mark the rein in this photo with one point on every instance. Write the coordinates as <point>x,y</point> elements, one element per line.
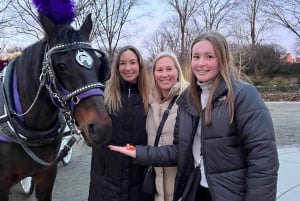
<point>66,100</point>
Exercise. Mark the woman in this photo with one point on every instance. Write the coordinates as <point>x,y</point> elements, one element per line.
<point>168,82</point>
<point>226,141</point>
<point>114,177</point>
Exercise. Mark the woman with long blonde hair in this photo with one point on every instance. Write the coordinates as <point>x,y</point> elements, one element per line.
<point>115,177</point>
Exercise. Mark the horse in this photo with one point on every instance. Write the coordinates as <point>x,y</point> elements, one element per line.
<point>60,75</point>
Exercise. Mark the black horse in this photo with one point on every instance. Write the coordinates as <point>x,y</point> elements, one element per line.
<point>61,74</point>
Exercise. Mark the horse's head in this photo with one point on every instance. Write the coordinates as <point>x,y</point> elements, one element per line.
<point>77,72</point>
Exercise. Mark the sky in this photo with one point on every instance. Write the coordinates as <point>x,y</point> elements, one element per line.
<point>158,10</point>
<point>280,35</point>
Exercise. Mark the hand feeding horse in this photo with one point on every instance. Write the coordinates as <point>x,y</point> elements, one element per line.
<point>61,73</point>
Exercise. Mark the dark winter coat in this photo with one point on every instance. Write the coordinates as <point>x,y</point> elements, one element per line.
<point>241,160</point>
<point>114,177</point>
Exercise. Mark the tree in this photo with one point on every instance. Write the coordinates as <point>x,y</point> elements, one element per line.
<point>185,10</point>
<point>216,15</point>
<point>253,13</point>
<point>286,13</point>
<point>25,19</point>
<point>111,18</point>
<point>168,38</point>
<point>242,54</point>
<point>4,22</point>
<point>267,60</point>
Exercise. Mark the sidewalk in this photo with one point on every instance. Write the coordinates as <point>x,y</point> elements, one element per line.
<point>288,187</point>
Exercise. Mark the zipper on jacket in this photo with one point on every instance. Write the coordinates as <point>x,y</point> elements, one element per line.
<point>129,92</point>
<point>203,160</point>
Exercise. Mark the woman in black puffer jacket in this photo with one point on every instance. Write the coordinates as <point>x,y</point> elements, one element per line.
<point>114,177</point>
<point>225,135</point>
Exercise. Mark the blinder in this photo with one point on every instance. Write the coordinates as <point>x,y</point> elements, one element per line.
<point>104,73</point>
<point>83,58</point>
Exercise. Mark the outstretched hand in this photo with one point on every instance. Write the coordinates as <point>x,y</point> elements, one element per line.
<point>128,150</point>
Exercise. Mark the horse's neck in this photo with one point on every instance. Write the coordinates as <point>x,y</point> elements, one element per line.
<point>43,114</point>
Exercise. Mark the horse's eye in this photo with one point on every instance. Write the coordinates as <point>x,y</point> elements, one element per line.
<point>62,66</point>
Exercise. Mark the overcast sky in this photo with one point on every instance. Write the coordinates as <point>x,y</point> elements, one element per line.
<point>159,12</point>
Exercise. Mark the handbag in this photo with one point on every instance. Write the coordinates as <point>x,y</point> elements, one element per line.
<point>149,181</point>
<point>149,177</point>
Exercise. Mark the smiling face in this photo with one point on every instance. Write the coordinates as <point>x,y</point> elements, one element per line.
<point>165,75</point>
<point>129,66</point>
<point>204,61</point>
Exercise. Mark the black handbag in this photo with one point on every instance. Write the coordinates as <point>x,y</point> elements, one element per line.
<point>149,177</point>
<point>149,181</point>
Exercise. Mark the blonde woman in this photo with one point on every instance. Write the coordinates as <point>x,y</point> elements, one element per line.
<point>167,83</point>
<point>115,177</point>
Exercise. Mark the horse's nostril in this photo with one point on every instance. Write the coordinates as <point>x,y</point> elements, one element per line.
<point>91,128</point>
<point>97,134</point>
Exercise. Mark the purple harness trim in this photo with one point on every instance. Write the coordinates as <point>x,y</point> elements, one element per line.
<point>3,139</point>
<point>86,94</point>
<point>91,92</point>
<point>16,97</point>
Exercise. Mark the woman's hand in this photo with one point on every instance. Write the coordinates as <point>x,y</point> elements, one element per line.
<point>128,150</point>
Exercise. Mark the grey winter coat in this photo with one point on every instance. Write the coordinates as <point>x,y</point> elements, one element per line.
<point>241,160</point>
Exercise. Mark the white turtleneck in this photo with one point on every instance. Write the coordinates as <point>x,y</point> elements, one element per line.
<point>205,91</point>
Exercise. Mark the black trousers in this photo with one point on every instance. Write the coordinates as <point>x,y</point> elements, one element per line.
<point>193,190</point>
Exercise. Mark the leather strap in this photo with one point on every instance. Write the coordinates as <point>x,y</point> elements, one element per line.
<point>163,120</point>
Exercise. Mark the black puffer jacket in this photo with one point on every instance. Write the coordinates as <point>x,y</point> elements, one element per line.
<point>114,177</point>
<point>240,159</point>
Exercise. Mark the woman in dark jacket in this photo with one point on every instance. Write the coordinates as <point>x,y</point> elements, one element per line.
<point>114,177</point>
<point>224,142</point>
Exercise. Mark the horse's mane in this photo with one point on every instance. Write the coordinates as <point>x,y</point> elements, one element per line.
<point>67,34</point>
<point>34,51</point>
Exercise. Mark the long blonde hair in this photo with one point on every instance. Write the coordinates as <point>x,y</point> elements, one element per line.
<point>112,95</point>
<point>227,73</point>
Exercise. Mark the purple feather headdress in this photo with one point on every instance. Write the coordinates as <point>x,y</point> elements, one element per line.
<point>58,11</point>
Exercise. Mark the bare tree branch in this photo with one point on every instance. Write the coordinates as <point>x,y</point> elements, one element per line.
<point>286,13</point>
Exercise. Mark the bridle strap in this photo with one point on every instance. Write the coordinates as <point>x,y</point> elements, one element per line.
<point>55,89</point>
<point>76,96</point>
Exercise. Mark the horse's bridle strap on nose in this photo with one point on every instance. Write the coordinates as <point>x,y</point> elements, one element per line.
<point>82,90</point>
<point>77,95</point>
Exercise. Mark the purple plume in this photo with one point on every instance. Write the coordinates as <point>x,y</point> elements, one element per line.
<point>59,11</point>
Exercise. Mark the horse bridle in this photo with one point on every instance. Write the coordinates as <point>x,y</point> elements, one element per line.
<point>56,90</point>
<point>58,94</point>
<point>48,79</point>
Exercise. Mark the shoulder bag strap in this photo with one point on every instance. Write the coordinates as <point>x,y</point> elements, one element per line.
<point>163,120</point>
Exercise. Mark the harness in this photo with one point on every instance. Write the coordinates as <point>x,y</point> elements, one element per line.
<point>11,119</point>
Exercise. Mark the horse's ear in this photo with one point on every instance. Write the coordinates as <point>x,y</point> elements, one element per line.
<point>49,27</point>
<point>86,27</point>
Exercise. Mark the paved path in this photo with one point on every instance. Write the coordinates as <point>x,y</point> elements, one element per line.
<point>286,120</point>
<point>288,188</point>
<point>73,180</point>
